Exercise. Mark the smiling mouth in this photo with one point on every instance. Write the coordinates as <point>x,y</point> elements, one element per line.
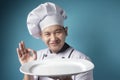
<point>54,44</point>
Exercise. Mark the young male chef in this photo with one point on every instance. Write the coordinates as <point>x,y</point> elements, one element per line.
<point>47,23</point>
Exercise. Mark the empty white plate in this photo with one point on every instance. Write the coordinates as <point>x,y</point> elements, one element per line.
<point>57,67</point>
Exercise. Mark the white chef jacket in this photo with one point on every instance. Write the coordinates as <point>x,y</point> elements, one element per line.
<point>67,53</point>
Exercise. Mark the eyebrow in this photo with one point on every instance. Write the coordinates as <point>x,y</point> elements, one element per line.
<point>59,29</point>
<point>62,28</point>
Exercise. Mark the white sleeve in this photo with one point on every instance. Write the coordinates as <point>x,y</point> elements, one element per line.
<point>84,76</point>
<point>79,55</point>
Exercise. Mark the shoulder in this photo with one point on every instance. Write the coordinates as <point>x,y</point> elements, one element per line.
<point>79,55</point>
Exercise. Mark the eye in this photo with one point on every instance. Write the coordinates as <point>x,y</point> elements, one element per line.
<point>59,31</point>
<point>46,34</point>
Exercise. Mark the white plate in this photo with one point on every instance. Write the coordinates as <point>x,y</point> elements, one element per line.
<point>57,67</point>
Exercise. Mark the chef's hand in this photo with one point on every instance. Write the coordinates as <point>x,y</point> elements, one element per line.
<point>62,78</point>
<point>25,54</point>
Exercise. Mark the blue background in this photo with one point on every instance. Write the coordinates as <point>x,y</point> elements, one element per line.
<point>94,29</point>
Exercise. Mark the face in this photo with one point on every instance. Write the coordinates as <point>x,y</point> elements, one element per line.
<point>54,37</point>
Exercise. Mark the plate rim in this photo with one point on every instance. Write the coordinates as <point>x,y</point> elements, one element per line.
<point>35,62</point>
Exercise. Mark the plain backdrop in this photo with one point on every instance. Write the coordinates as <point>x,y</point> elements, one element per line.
<point>94,29</point>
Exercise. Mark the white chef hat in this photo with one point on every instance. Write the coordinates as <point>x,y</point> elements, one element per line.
<point>45,15</point>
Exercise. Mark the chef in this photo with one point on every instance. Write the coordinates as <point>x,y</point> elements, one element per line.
<point>46,22</point>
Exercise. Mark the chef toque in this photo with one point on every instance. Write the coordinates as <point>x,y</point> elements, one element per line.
<point>43,16</point>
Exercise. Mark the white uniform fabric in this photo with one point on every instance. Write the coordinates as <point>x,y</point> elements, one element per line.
<point>68,53</point>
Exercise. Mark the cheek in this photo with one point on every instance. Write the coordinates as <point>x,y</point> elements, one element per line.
<point>62,37</point>
<point>45,40</point>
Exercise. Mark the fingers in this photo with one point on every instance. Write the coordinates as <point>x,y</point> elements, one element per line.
<point>21,50</point>
<point>32,53</point>
<point>25,54</point>
<point>22,47</point>
<point>18,52</point>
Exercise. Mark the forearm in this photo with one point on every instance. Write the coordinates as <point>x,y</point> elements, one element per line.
<point>67,78</point>
<point>63,78</point>
<point>28,77</point>
<point>31,77</point>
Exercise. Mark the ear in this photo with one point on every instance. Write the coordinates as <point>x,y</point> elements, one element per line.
<point>66,30</point>
<point>40,35</point>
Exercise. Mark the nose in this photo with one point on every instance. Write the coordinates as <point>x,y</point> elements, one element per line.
<point>53,37</point>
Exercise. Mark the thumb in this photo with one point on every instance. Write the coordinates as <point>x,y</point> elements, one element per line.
<point>33,53</point>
